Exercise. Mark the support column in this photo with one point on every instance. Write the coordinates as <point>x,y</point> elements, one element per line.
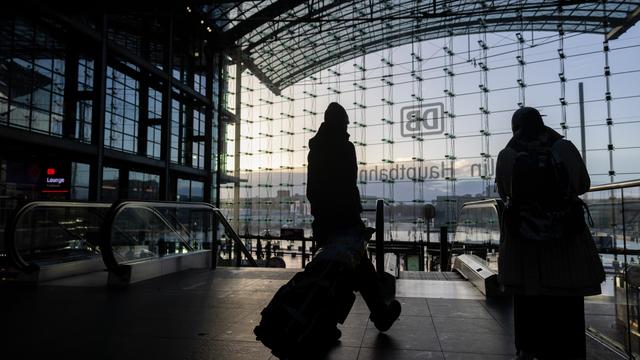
<point>97,131</point>
<point>165,149</point>
<point>208,131</point>
<point>583,136</point>
<point>236,139</point>
<point>143,98</point>
<point>143,117</point>
<point>70,93</point>
<point>220,140</point>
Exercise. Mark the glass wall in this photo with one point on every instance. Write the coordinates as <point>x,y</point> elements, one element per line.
<point>84,107</point>
<point>154,132</point>
<point>143,186</point>
<point>32,79</point>
<point>465,90</point>
<point>616,231</point>
<point>190,190</point>
<point>122,111</point>
<point>79,181</point>
<point>110,184</point>
<point>47,85</point>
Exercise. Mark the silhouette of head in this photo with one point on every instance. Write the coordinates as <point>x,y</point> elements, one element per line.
<point>527,123</point>
<point>336,116</point>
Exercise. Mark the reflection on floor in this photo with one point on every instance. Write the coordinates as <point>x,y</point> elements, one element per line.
<point>211,314</point>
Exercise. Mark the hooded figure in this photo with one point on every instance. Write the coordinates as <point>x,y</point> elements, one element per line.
<point>548,279</point>
<point>332,176</point>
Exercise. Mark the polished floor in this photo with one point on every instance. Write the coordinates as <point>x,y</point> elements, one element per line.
<point>204,314</point>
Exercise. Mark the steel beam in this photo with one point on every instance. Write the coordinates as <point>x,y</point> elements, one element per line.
<point>618,30</point>
<point>165,143</point>
<point>208,132</point>
<point>221,125</point>
<point>98,123</point>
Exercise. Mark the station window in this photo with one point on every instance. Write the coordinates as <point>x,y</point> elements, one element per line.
<point>110,184</point>
<point>122,109</point>
<point>154,132</point>
<point>79,181</point>
<point>190,190</point>
<point>176,120</point>
<point>33,85</point>
<point>143,186</point>
<point>84,107</point>
<point>198,131</point>
<point>200,83</point>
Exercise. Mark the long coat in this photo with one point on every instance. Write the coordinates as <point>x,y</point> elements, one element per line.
<point>568,267</point>
<point>332,176</point>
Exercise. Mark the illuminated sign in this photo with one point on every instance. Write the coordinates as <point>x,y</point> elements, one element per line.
<point>52,180</point>
<point>55,181</point>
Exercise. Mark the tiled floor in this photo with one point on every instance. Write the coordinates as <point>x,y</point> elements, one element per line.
<point>211,314</point>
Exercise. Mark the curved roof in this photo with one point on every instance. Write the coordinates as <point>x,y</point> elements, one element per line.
<point>284,41</point>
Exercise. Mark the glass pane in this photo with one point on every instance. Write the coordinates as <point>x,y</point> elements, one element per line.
<point>146,231</point>
<point>606,314</point>
<point>51,235</point>
<point>631,236</point>
<point>110,184</point>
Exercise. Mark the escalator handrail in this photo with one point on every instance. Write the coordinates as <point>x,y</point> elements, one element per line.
<point>10,228</point>
<point>107,248</point>
<point>161,216</point>
<point>615,185</point>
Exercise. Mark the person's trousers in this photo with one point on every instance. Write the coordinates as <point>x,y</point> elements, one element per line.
<point>367,283</point>
<point>550,327</point>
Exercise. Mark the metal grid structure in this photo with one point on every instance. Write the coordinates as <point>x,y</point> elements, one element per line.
<point>285,41</point>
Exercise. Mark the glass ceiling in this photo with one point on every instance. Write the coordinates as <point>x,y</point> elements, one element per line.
<point>284,41</point>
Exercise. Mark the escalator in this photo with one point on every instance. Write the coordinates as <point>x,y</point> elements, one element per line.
<point>148,239</point>
<point>46,240</point>
<point>131,240</point>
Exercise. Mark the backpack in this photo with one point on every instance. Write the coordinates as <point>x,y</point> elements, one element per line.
<point>541,206</point>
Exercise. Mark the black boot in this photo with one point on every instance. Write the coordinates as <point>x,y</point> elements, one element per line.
<point>384,319</point>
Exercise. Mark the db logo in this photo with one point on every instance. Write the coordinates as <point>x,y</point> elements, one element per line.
<point>426,119</point>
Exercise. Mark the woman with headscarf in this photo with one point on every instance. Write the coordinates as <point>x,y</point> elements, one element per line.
<point>549,273</point>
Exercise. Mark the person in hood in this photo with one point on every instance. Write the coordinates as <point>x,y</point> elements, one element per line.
<point>332,176</point>
<point>547,278</point>
<point>332,191</point>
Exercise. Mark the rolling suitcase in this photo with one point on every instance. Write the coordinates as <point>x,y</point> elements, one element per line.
<point>301,319</point>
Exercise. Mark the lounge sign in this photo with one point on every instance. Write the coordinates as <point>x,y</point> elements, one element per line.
<point>55,181</point>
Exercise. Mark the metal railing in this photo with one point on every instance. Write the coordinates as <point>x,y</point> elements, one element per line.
<point>307,253</point>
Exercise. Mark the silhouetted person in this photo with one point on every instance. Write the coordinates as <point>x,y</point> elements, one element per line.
<point>548,260</point>
<point>332,177</point>
<point>259,249</point>
<point>268,249</point>
<point>332,191</point>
